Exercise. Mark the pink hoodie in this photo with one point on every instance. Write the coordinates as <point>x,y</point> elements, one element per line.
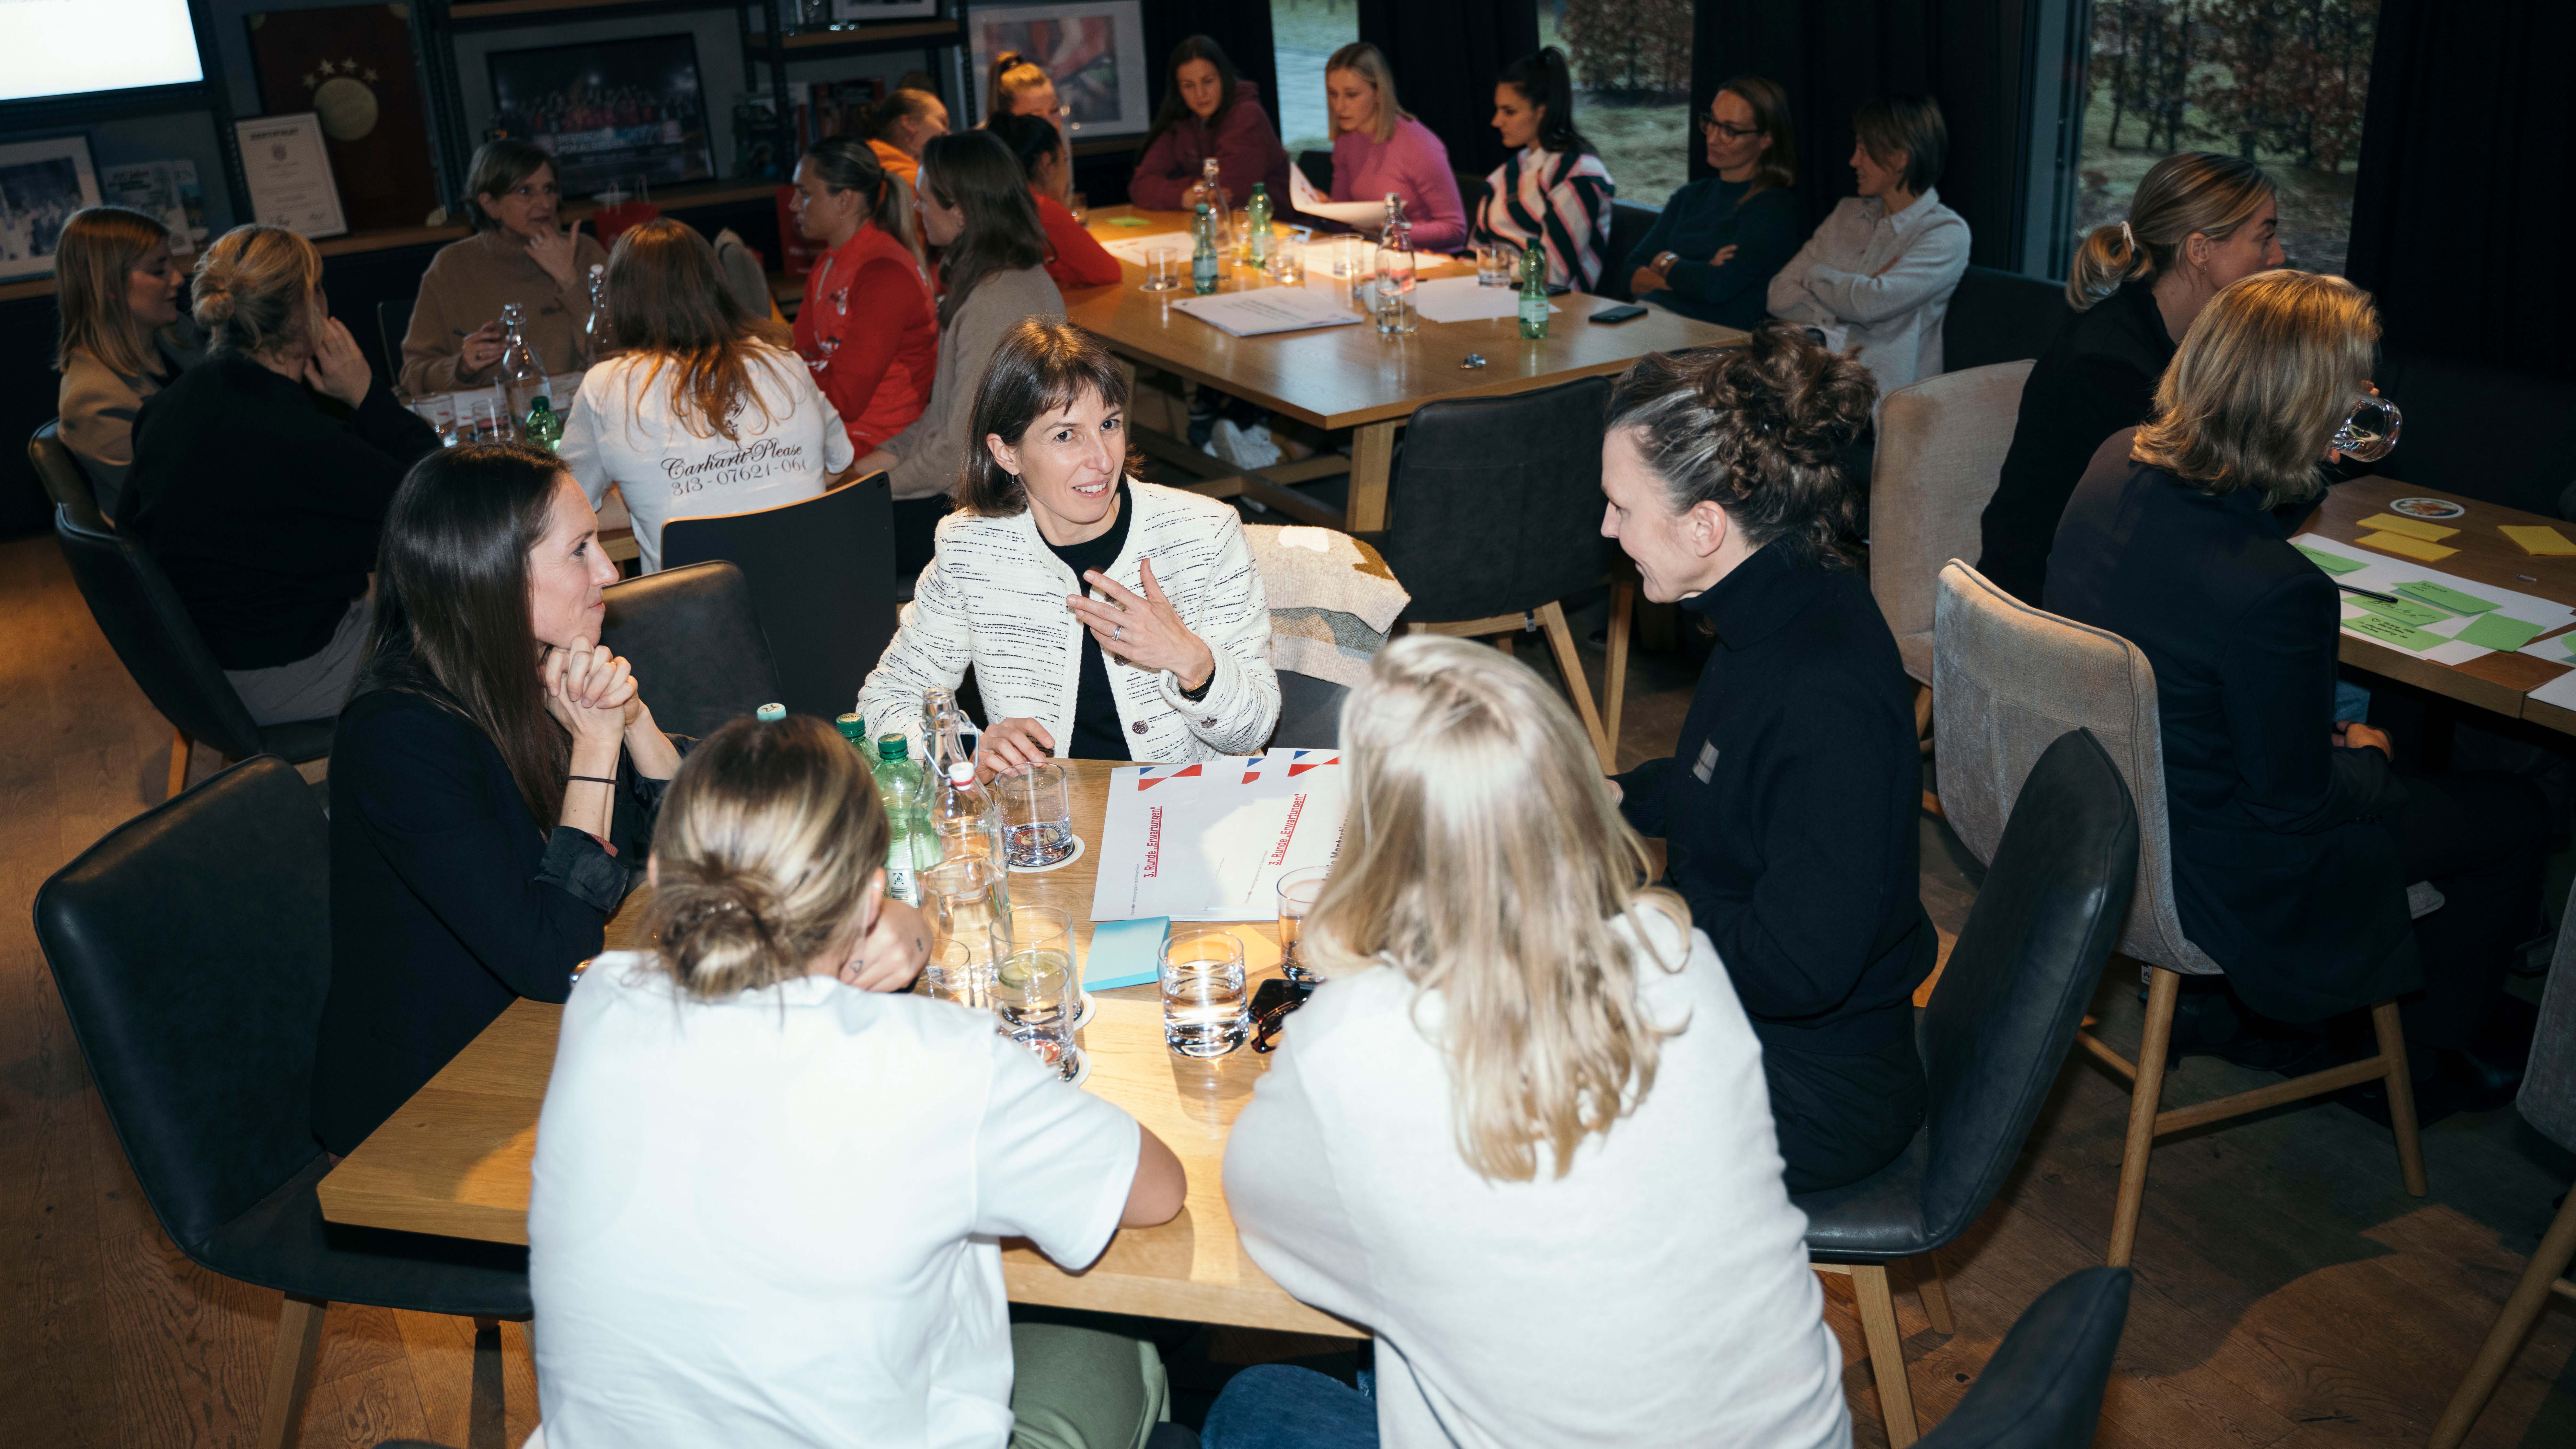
<point>1412,164</point>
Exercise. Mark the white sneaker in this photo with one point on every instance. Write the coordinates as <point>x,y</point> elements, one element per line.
<point>1251,447</point>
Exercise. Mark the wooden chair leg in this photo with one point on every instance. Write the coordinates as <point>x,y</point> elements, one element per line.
<point>1886,1353</point>
<point>1503,642</point>
<point>2164,988</point>
<point>1560,638</point>
<point>2513,1324</point>
<point>290,1371</point>
<point>1935,1295</point>
<point>1923,716</point>
<point>180,749</point>
<point>2401,1096</point>
<point>1623,604</point>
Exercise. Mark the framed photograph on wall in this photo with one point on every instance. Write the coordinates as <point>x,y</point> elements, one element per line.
<point>1094,51</point>
<point>41,184</point>
<point>611,112</point>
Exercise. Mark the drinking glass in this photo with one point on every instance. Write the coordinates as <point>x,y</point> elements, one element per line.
<point>1033,983</point>
<point>1288,260</point>
<point>1205,1010</point>
<point>961,895</point>
<point>2371,431</point>
<point>1239,239</point>
<point>1037,815</point>
<point>1162,270</point>
<point>1497,263</point>
<point>954,974</point>
<point>1298,892</point>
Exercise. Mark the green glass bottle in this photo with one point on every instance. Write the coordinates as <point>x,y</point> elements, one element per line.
<point>1203,253</point>
<point>1534,291</point>
<point>1257,245</point>
<point>899,786</point>
<point>544,427</point>
<point>855,730</point>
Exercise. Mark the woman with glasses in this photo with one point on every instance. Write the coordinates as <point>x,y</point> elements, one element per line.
<point>2294,838</point>
<point>1712,252</point>
<point>1521,1132</point>
<point>1553,191</point>
<point>518,254</point>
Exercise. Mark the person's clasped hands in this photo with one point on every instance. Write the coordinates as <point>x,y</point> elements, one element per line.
<point>590,690</point>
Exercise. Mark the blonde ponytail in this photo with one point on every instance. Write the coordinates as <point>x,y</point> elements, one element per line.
<point>2193,192</point>
<point>254,290</point>
<point>2106,260</point>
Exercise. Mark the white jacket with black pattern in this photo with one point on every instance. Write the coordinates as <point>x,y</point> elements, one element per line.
<point>994,598</point>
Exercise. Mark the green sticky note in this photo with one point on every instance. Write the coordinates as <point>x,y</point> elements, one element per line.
<point>2333,563</point>
<point>2451,599</point>
<point>2387,630</point>
<point>2404,611</point>
<point>1127,221</point>
<point>2496,631</point>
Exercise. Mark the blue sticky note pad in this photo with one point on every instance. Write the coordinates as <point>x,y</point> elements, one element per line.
<point>1126,953</point>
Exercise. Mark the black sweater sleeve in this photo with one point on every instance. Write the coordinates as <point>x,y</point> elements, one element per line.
<point>1766,236</point>
<point>2279,682</point>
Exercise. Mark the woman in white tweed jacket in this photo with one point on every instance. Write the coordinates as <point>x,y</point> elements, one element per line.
<point>1105,617</point>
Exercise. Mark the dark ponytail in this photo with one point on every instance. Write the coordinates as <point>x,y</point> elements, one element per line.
<point>846,163</point>
<point>1543,81</point>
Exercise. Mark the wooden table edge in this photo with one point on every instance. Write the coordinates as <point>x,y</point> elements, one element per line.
<point>1029,1276</point>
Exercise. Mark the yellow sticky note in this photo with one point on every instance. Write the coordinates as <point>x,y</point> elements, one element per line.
<point>2411,527</point>
<point>2411,547</point>
<point>2535,538</point>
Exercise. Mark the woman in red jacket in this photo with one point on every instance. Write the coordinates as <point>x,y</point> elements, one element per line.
<point>869,327</point>
<point>1208,111</point>
<point>1073,258</point>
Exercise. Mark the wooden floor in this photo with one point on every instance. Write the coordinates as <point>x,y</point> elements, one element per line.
<point>2289,1292</point>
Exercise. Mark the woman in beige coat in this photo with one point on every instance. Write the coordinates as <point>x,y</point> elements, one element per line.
<point>123,335</point>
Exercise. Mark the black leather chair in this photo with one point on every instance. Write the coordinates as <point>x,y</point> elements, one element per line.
<point>192,949</point>
<point>159,645</point>
<point>66,482</point>
<point>2001,1021</point>
<point>822,580</point>
<point>1629,223</point>
<point>1310,712</point>
<point>1999,316</point>
<point>695,642</point>
<point>1494,516</point>
<point>393,324</point>
<point>2042,1389</point>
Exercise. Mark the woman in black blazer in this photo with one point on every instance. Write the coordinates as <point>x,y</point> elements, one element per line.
<point>2199,221</point>
<point>2293,839</point>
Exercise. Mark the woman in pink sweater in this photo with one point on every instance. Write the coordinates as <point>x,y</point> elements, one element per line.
<point>1378,147</point>
<point>1209,111</point>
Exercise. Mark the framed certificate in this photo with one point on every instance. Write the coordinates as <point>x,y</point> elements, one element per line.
<point>289,171</point>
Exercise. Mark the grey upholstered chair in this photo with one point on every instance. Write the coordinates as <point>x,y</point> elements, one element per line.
<point>2548,1103</point>
<point>1941,446</point>
<point>2008,680</point>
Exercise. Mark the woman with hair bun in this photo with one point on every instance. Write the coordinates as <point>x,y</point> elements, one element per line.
<point>768,1189</point>
<point>2198,222</point>
<point>122,338</point>
<point>1552,191</point>
<point>1790,802</point>
<point>261,478</point>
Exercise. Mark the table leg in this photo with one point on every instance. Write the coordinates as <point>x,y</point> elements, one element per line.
<point>1372,459</point>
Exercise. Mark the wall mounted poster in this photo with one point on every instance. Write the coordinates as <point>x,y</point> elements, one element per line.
<point>352,66</point>
<point>1095,53</point>
<point>41,184</point>
<point>290,174</point>
<point>611,112</point>
<point>166,190</point>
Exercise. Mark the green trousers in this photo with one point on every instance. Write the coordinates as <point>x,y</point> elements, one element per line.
<point>1079,1388</point>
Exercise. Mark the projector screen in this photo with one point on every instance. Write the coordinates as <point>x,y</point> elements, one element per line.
<point>70,47</point>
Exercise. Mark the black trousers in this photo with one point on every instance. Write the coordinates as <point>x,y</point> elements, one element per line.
<point>2482,839</point>
<point>1842,1118</point>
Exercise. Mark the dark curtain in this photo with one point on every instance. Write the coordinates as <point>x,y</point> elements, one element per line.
<point>2461,208</point>
<point>1973,56</point>
<point>1242,27</point>
<point>1445,55</point>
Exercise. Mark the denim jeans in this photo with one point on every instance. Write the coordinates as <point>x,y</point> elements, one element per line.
<point>1273,1406</point>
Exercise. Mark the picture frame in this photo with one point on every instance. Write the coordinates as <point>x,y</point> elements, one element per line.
<point>1093,49</point>
<point>610,112</point>
<point>41,184</point>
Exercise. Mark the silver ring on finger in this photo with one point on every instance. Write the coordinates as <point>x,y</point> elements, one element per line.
<point>1117,633</point>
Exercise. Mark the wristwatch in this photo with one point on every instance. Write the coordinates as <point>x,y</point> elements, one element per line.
<point>1663,263</point>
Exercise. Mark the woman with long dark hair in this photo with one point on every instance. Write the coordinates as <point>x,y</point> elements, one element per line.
<point>975,206</point>
<point>121,338</point>
<point>1552,191</point>
<point>869,328</point>
<point>493,783</point>
<point>1074,258</point>
<point>1209,112</point>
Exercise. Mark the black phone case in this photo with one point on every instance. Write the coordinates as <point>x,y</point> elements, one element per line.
<point>1625,312</point>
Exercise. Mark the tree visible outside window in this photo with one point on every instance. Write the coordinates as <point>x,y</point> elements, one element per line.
<point>1632,63</point>
<point>2280,82</point>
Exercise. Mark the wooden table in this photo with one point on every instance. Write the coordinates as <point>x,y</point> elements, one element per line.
<point>2499,681</point>
<point>453,1161</point>
<point>1349,377</point>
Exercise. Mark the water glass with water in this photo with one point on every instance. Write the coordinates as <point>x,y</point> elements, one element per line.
<point>1497,263</point>
<point>1033,991</point>
<point>1162,270</point>
<point>1288,260</point>
<point>1205,1010</point>
<point>1037,816</point>
<point>1298,892</point>
<point>954,973</point>
<point>2370,432</point>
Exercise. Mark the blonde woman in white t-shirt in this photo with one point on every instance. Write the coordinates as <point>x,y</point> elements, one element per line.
<point>1521,1133</point>
<point>706,409</point>
<point>769,1186</point>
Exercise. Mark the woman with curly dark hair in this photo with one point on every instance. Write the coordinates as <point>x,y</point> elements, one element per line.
<point>1789,803</point>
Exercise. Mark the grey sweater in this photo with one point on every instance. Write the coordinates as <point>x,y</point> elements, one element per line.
<point>930,454</point>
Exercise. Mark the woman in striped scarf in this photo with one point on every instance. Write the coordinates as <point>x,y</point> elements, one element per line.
<point>1553,190</point>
